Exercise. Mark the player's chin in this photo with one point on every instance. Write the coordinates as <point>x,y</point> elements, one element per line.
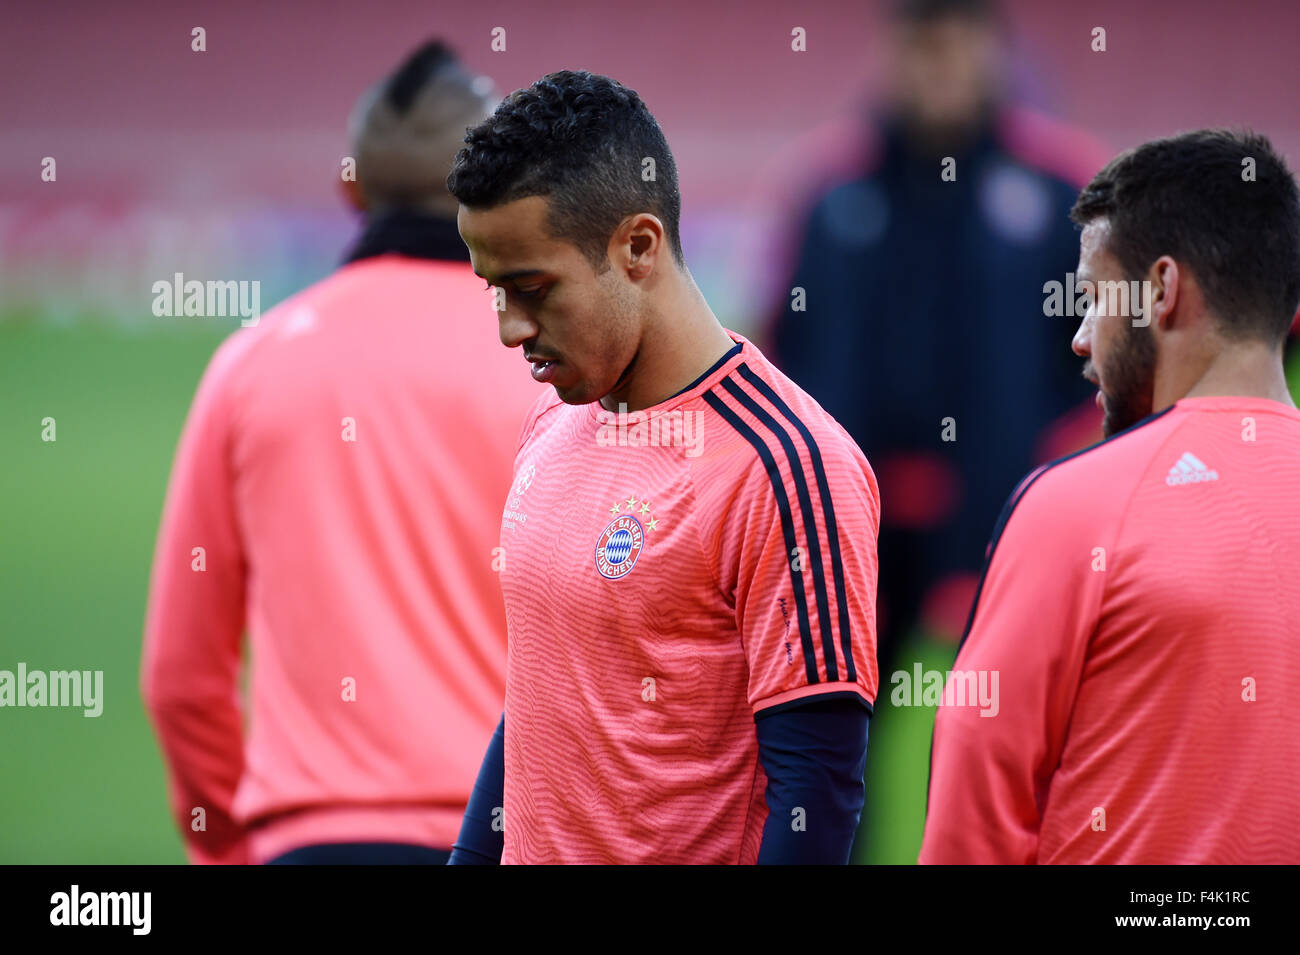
<point>575,392</point>
<point>575,388</point>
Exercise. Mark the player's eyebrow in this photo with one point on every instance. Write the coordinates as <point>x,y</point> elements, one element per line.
<point>509,276</point>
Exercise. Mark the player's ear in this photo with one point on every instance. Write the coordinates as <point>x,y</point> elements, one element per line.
<point>640,245</point>
<point>1161,291</point>
<point>353,195</point>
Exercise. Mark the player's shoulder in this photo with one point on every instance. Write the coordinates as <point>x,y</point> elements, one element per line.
<point>231,358</point>
<point>1096,482</point>
<point>756,386</point>
<point>1038,142</point>
<point>250,346</point>
<point>293,315</point>
<point>759,419</point>
<point>839,150</point>
<point>286,317</point>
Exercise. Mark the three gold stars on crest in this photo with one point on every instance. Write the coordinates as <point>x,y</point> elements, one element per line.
<point>631,503</point>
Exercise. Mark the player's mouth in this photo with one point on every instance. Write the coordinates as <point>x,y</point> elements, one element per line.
<point>1096,381</point>
<point>543,368</point>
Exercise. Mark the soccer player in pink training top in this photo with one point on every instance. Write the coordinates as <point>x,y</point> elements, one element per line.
<point>690,545</point>
<point>1140,606</point>
<point>337,494</point>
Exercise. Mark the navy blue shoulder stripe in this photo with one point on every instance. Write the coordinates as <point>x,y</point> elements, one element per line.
<point>1018,494</point>
<point>828,512</point>
<point>809,520</point>
<point>787,525</point>
<point>731,353</point>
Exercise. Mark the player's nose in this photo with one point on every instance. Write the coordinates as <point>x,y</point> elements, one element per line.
<point>1081,344</point>
<point>515,328</point>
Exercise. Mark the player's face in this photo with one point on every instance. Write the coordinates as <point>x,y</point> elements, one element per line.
<point>1121,359</point>
<point>579,329</point>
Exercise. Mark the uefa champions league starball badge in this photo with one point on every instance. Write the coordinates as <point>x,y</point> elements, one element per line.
<point>619,544</point>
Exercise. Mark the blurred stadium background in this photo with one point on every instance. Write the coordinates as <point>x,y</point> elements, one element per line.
<point>225,165</point>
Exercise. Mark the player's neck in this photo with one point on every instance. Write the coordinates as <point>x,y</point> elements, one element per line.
<point>1247,371</point>
<point>683,341</point>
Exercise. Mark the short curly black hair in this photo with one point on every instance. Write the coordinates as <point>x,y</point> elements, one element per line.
<point>1189,196</point>
<point>581,140</point>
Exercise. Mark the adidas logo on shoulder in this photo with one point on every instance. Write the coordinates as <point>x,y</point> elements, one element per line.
<point>1189,470</point>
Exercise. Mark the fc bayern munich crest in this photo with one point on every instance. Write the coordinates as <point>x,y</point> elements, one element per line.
<point>619,546</point>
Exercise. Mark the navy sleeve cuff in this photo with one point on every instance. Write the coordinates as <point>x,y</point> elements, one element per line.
<point>815,757</point>
<point>482,838</point>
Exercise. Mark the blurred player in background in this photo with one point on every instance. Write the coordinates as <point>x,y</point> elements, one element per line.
<point>337,492</point>
<point>1140,606</point>
<point>925,237</point>
<point>691,552</point>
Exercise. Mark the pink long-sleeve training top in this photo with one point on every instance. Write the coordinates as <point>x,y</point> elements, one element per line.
<point>337,496</point>
<point>1126,692</point>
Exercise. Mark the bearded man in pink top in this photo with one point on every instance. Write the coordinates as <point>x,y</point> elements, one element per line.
<point>1138,623</point>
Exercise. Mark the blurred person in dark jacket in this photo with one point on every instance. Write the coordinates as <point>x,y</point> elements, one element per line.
<point>925,234</point>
